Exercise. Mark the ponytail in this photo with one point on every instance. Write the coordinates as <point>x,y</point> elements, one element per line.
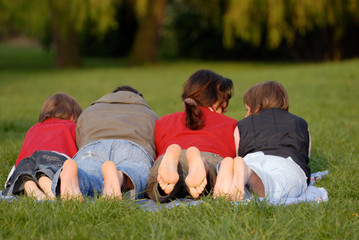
<point>193,118</point>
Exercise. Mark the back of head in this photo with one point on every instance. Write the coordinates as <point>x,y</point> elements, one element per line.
<point>204,88</point>
<point>264,95</point>
<point>127,88</point>
<point>60,105</point>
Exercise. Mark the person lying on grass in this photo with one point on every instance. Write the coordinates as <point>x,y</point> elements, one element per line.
<point>191,143</point>
<point>115,136</point>
<point>273,148</point>
<point>46,146</point>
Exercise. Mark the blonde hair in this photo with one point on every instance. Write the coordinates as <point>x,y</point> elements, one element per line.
<point>60,105</point>
<point>264,95</point>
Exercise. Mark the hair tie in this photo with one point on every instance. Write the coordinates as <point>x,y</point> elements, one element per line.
<point>190,101</point>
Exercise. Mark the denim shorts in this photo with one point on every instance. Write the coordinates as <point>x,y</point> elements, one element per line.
<point>32,168</point>
<point>281,177</point>
<point>129,157</point>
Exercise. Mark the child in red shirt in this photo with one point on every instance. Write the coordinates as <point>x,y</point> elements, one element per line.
<point>191,143</point>
<point>46,146</point>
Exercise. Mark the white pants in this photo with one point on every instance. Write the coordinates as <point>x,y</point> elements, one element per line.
<point>281,177</point>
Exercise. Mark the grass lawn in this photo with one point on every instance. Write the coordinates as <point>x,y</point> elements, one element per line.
<point>325,94</point>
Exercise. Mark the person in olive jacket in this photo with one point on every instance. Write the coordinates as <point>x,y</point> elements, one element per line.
<point>115,137</point>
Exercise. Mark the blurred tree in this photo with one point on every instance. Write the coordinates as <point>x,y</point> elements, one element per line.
<point>285,20</point>
<point>193,29</point>
<point>211,29</point>
<point>64,19</point>
<point>151,14</point>
<point>116,42</point>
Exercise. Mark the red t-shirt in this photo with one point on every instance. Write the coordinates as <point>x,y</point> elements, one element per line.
<point>216,136</point>
<point>51,135</point>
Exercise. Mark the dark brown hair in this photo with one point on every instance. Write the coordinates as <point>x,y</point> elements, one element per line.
<point>60,105</point>
<point>127,88</point>
<point>205,88</point>
<point>264,95</point>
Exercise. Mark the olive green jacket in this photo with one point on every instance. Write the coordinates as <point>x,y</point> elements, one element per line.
<point>120,115</point>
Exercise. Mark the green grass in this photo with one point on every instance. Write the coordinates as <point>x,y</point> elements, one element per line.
<point>325,94</point>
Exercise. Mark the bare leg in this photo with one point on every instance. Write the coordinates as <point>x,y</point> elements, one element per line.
<point>224,179</point>
<point>256,185</point>
<point>244,175</point>
<point>113,180</point>
<point>45,185</point>
<point>32,190</point>
<point>240,178</point>
<point>196,179</point>
<point>167,171</point>
<point>69,181</point>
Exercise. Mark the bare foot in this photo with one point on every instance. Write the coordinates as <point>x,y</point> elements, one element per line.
<point>196,179</point>
<point>241,175</point>
<point>113,180</point>
<point>32,190</point>
<point>224,179</point>
<point>69,181</point>
<point>45,185</point>
<point>167,171</point>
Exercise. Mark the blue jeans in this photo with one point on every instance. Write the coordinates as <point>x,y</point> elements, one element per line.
<point>129,157</point>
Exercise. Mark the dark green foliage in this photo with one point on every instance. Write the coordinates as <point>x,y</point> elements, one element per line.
<point>116,42</point>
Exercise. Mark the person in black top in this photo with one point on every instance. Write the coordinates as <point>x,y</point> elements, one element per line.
<point>273,149</point>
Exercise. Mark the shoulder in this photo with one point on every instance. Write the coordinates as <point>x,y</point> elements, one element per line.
<point>229,119</point>
<point>244,121</point>
<point>287,117</point>
<point>56,121</point>
<point>218,116</point>
<point>171,116</point>
<point>55,124</point>
<point>293,116</point>
<point>300,121</point>
<point>34,127</point>
<point>170,120</point>
<point>122,97</point>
